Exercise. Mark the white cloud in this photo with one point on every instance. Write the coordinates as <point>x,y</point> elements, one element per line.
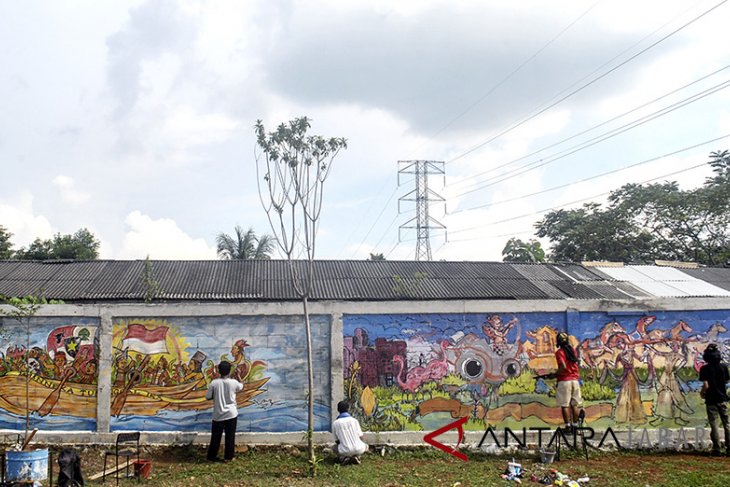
<point>161,239</point>
<point>186,128</point>
<point>69,193</point>
<point>156,113</point>
<point>17,215</point>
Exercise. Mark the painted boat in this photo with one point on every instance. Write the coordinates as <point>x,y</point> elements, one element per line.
<point>79,400</point>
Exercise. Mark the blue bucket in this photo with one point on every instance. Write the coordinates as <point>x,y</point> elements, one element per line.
<point>26,465</point>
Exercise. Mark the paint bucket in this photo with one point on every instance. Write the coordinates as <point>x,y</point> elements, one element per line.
<point>547,456</point>
<point>26,466</point>
<point>142,468</point>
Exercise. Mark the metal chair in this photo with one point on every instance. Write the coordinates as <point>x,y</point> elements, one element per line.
<point>126,446</point>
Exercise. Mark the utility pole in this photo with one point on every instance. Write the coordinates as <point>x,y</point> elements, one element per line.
<point>422,196</point>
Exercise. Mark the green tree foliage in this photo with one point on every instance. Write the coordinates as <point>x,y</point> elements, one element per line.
<point>518,251</point>
<point>82,245</point>
<point>378,257</point>
<point>642,223</point>
<point>151,286</point>
<point>244,245</point>
<point>6,246</point>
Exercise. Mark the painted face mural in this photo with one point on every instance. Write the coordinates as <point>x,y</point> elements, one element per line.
<point>419,372</point>
<point>58,361</point>
<point>162,368</point>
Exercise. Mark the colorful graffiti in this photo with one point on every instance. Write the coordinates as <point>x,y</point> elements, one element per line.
<point>418,372</point>
<point>57,363</point>
<point>152,370</point>
<point>162,367</point>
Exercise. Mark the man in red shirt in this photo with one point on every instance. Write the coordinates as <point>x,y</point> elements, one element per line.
<point>568,385</point>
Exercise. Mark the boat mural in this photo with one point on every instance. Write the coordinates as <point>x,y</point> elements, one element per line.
<point>57,364</point>
<point>154,370</point>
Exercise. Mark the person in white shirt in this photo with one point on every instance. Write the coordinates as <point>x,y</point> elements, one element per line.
<point>346,429</point>
<point>225,412</point>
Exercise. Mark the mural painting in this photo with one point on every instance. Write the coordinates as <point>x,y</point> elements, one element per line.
<point>419,372</point>
<point>58,362</point>
<point>162,367</point>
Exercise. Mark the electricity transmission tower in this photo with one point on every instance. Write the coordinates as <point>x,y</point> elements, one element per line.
<point>422,196</point>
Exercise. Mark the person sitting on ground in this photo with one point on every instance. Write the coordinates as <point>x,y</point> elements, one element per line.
<point>346,429</point>
<point>714,376</point>
<point>568,386</point>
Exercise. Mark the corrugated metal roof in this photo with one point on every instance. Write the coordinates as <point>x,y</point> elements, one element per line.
<point>630,290</point>
<point>717,276</point>
<point>269,280</point>
<point>576,272</point>
<point>537,272</point>
<point>550,291</point>
<point>577,290</point>
<point>608,290</point>
<point>663,281</point>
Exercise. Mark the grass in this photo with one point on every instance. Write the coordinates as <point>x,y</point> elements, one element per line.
<point>287,466</point>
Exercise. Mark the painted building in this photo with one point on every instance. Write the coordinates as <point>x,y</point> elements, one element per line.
<point>461,339</point>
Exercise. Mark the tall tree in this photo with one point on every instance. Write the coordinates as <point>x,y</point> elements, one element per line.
<point>6,246</point>
<point>244,245</point>
<point>37,250</point>
<point>82,245</point>
<point>642,223</point>
<point>292,168</point>
<point>518,251</point>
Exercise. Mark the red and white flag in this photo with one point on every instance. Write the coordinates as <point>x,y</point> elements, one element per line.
<point>70,340</point>
<point>140,339</point>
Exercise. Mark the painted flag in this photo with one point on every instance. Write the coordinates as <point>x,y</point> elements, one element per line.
<point>71,340</point>
<point>140,339</point>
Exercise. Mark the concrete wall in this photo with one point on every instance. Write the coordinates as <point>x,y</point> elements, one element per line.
<point>266,342</point>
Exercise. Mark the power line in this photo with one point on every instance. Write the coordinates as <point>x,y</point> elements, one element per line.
<point>646,161</point>
<point>506,78</point>
<point>575,201</point>
<point>550,146</point>
<point>470,107</point>
<point>581,88</point>
<point>595,140</point>
<point>486,237</point>
<point>397,243</point>
<point>357,250</point>
<point>392,222</point>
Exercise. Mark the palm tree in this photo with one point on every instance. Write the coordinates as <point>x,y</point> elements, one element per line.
<point>244,245</point>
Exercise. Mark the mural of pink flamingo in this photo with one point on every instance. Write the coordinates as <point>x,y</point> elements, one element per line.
<point>438,368</point>
<point>414,378</point>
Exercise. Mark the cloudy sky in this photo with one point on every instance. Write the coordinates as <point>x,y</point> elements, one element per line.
<point>135,119</point>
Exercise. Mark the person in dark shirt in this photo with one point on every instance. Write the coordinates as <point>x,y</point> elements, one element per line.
<point>714,376</point>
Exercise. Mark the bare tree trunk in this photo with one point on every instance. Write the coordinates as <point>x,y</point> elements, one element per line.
<point>310,390</point>
<point>27,378</point>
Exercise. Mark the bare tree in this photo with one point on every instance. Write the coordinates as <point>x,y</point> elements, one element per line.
<point>291,169</point>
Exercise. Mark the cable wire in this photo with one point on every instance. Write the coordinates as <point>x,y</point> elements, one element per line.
<point>576,201</point>
<point>613,119</point>
<point>631,166</point>
<point>595,140</point>
<point>581,88</point>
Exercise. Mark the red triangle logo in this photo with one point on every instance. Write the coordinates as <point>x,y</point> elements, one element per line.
<point>429,438</point>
